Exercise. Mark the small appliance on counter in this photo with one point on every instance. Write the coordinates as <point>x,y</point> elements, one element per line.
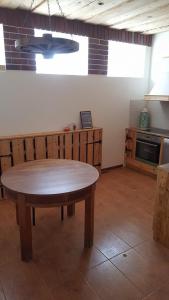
<point>144,119</point>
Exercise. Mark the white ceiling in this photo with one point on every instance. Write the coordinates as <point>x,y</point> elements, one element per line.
<point>145,16</point>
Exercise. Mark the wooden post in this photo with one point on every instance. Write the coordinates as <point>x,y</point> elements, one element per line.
<point>161,210</point>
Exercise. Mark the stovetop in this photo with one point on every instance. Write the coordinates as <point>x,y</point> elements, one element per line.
<point>155,131</point>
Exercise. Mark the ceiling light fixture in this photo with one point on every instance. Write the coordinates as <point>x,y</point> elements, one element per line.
<point>47,45</point>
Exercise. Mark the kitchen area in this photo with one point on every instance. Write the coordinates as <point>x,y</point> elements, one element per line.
<point>146,149</point>
<point>147,137</point>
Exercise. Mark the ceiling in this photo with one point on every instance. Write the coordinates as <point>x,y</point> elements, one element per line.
<point>145,16</point>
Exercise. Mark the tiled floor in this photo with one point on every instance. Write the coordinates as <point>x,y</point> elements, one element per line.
<point>124,263</point>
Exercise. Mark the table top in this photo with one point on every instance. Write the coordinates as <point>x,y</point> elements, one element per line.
<point>49,177</point>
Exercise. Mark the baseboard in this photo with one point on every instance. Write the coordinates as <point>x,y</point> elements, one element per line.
<point>104,170</point>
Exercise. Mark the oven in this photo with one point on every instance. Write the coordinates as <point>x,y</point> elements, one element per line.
<point>148,148</point>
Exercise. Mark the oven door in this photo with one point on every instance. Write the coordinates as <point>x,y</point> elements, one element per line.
<point>147,151</point>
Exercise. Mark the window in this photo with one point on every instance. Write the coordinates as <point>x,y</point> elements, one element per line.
<point>2,49</point>
<point>69,64</point>
<point>126,60</point>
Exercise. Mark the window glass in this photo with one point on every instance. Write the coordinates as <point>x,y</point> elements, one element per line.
<point>2,49</point>
<point>126,60</point>
<point>69,64</point>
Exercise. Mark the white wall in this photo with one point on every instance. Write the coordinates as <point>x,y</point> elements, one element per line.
<point>159,63</point>
<point>31,102</point>
<point>160,52</point>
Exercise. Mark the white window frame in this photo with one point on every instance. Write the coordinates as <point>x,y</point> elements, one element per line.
<point>128,60</point>
<point>65,64</point>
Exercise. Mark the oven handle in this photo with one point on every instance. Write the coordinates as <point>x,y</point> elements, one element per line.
<point>147,143</point>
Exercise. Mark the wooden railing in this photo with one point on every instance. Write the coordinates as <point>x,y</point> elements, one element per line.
<point>83,145</point>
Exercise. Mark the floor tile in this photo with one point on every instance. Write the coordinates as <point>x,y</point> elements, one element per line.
<point>68,253</point>
<point>22,281</point>
<point>65,281</point>
<point>144,274</point>
<point>154,252</point>
<point>109,244</point>
<point>9,233</point>
<point>132,234</point>
<point>160,294</point>
<point>2,297</point>
<point>110,284</point>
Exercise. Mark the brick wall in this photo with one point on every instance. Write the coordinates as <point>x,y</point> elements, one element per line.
<point>14,27</point>
<point>98,56</point>
<point>17,60</point>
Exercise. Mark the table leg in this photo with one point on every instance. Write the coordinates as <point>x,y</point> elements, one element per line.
<point>62,212</point>
<point>89,219</point>
<point>24,214</point>
<point>71,210</point>
<point>17,216</point>
<point>33,216</point>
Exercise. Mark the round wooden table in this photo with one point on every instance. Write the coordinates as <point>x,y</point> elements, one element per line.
<point>46,183</point>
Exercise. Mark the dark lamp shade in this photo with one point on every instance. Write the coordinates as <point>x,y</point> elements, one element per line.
<point>46,45</point>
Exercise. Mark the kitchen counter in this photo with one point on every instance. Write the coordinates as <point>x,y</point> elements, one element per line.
<point>154,131</point>
<point>152,136</point>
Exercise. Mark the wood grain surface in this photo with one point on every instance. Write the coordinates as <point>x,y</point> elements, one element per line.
<point>49,177</point>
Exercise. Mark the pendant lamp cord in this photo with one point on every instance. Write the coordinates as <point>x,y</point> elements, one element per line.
<point>62,14</point>
<point>26,17</point>
<point>50,21</point>
<point>61,11</point>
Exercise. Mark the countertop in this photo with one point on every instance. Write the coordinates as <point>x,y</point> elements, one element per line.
<point>154,131</point>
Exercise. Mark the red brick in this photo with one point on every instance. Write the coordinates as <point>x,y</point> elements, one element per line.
<point>98,46</point>
<point>97,67</point>
<point>94,40</point>
<point>8,61</point>
<point>98,62</point>
<point>9,42</point>
<point>28,68</point>
<point>28,31</point>
<point>98,56</point>
<point>18,54</point>
<point>98,51</point>
<point>9,48</point>
<point>10,28</point>
<point>12,67</point>
<point>22,61</point>
<point>103,42</point>
<point>97,72</point>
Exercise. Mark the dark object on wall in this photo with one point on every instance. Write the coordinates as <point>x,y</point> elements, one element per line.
<point>86,119</point>
<point>46,45</point>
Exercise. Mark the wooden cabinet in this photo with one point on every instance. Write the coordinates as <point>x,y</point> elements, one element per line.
<point>84,145</point>
<point>130,143</point>
<point>130,154</point>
